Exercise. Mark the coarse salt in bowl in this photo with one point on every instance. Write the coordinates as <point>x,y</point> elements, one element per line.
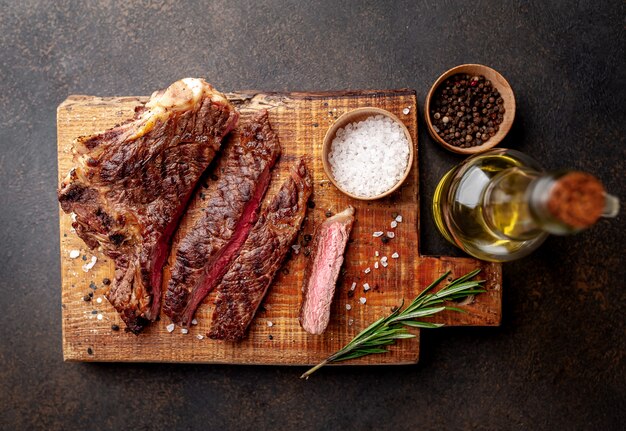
<point>367,153</point>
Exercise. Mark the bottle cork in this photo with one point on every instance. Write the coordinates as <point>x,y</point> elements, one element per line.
<point>577,199</point>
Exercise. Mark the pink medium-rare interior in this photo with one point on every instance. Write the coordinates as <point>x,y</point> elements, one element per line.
<point>161,251</point>
<point>324,274</point>
<point>221,261</point>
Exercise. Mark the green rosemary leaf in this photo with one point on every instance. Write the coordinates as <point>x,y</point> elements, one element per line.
<point>416,324</point>
<point>460,310</point>
<point>420,313</point>
<point>377,343</point>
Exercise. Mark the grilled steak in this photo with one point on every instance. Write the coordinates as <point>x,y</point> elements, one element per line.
<point>131,183</point>
<point>245,284</point>
<point>231,208</point>
<point>322,270</point>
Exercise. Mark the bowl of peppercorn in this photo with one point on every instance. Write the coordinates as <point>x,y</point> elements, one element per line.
<point>469,109</point>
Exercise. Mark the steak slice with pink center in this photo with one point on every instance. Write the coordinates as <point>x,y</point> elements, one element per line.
<point>231,207</point>
<point>322,270</point>
<point>249,277</point>
<point>132,183</point>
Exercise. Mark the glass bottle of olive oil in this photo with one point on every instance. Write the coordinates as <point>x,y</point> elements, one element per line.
<point>500,205</point>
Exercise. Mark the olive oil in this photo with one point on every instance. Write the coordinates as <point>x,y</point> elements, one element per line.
<point>501,206</point>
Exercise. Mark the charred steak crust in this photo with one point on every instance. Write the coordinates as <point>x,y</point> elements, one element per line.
<point>231,207</point>
<point>322,270</point>
<point>131,184</point>
<point>245,284</point>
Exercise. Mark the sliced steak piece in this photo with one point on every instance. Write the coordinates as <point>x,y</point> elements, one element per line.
<point>230,209</point>
<point>131,184</point>
<point>245,284</point>
<point>322,270</point>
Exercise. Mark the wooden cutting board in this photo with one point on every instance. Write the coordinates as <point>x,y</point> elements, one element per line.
<point>275,337</point>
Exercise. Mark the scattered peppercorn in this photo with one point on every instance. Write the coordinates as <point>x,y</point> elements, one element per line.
<point>86,298</point>
<point>384,239</point>
<point>328,214</point>
<point>311,204</point>
<point>270,337</point>
<point>350,293</point>
<point>106,281</point>
<point>467,110</point>
<point>394,215</point>
<point>89,351</point>
<point>115,328</point>
<point>308,237</point>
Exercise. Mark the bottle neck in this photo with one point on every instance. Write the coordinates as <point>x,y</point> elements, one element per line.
<point>523,204</point>
<point>568,202</point>
<point>539,197</point>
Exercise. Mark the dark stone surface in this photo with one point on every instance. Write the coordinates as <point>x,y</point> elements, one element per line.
<point>557,361</point>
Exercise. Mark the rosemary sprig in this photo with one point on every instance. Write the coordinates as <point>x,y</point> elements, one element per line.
<point>386,330</point>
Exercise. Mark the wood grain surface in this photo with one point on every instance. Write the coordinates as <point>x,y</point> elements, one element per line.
<point>275,337</point>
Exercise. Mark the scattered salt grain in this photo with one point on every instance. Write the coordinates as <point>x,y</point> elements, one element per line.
<point>406,111</point>
<point>376,253</point>
<point>99,300</point>
<point>384,263</point>
<point>199,336</point>
<point>366,287</point>
<point>270,324</point>
<point>348,307</point>
<point>87,267</point>
<point>74,254</point>
<point>362,300</point>
<point>73,216</point>
<point>296,248</point>
<point>184,330</point>
<point>368,158</point>
<point>350,322</point>
<point>367,270</point>
<point>377,234</point>
<point>99,316</point>
<point>194,322</point>
<point>399,219</point>
<point>353,285</point>
<point>394,224</point>
<point>375,265</point>
<point>391,235</point>
<point>383,259</point>
<point>170,327</point>
<point>395,255</point>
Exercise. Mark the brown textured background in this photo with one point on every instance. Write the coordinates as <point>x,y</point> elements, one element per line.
<point>558,360</point>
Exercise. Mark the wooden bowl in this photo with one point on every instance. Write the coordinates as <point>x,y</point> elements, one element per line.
<point>357,115</point>
<point>499,83</point>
